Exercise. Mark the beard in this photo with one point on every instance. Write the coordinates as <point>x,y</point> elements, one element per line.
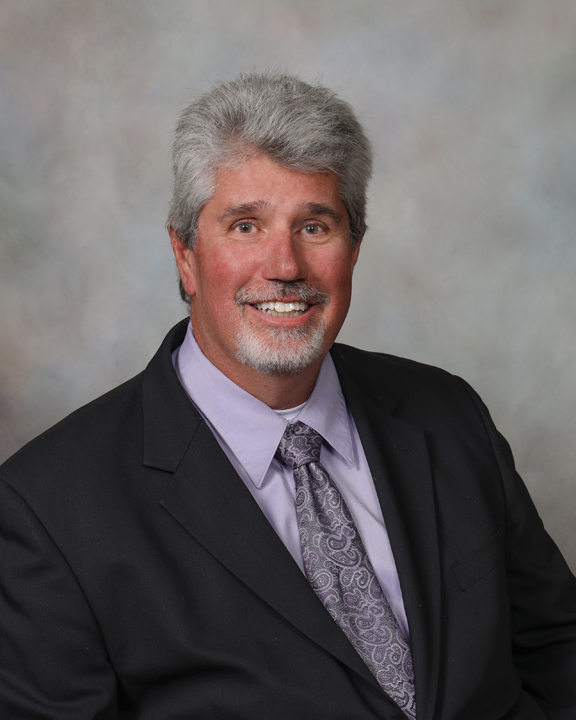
<point>281,351</point>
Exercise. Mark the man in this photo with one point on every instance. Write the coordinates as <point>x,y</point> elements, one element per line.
<point>264,524</point>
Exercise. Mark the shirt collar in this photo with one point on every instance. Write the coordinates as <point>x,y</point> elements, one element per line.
<point>327,413</point>
<point>250,428</point>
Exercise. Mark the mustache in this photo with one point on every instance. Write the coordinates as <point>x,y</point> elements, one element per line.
<point>276,290</point>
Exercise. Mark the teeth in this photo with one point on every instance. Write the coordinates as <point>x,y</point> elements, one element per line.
<point>282,308</point>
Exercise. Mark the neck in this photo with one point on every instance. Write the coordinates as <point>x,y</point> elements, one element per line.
<point>277,391</point>
<point>280,392</point>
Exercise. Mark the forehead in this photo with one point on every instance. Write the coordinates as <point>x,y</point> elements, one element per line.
<point>260,181</point>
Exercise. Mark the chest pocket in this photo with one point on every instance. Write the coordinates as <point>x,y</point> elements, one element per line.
<point>480,562</point>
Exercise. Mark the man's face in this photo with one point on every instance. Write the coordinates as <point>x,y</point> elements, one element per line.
<point>269,235</point>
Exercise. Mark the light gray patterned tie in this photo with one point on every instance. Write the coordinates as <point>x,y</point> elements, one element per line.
<point>339,570</point>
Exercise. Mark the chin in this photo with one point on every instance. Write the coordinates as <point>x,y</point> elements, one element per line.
<point>280,351</point>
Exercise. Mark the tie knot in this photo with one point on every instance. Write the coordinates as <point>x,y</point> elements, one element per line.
<point>300,444</point>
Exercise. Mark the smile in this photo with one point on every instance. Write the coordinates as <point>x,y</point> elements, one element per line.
<point>282,309</point>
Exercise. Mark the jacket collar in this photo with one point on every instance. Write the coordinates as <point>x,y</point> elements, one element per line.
<point>170,419</point>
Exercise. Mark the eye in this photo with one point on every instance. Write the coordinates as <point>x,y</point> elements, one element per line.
<point>245,227</point>
<point>312,229</point>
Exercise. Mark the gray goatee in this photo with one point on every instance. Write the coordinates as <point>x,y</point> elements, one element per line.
<point>281,351</point>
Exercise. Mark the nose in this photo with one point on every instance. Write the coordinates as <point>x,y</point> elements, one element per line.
<point>284,259</point>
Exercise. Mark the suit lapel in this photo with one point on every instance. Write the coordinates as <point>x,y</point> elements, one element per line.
<point>209,500</point>
<point>398,458</point>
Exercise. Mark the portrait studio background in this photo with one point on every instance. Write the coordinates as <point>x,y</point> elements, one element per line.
<point>470,259</point>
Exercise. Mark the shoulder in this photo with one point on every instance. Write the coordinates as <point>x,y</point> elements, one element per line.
<point>80,438</point>
<point>383,362</point>
<point>102,436</point>
<point>416,392</point>
<point>401,376</point>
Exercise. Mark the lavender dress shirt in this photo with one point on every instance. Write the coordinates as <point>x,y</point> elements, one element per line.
<point>249,432</point>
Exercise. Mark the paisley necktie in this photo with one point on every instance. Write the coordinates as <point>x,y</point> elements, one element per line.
<point>339,571</point>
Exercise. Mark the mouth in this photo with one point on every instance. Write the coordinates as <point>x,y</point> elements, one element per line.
<point>277,308</point>
<point>282,300</point>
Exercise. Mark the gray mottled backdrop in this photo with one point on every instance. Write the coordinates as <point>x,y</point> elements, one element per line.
<point>470,259</point>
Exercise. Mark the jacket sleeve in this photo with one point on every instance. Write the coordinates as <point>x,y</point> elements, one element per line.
<point>542,593</point>
<point>53,664</point>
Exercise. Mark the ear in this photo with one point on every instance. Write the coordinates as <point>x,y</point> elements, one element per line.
<point>185,262</point>
<point>356,251</point>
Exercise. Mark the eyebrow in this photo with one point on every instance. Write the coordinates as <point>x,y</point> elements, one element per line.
<point>250,208</point>
<point>322,209</point>
<point>241,209</point>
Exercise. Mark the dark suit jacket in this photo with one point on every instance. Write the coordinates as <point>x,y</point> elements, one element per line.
<point>139,579</point>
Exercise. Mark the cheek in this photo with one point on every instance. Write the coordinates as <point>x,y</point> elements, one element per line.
<point>338,275</point>
<point>338,283</point>
<point>219,278</point>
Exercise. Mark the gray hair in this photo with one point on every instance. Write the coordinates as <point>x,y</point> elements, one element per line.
<point>300,126</point>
